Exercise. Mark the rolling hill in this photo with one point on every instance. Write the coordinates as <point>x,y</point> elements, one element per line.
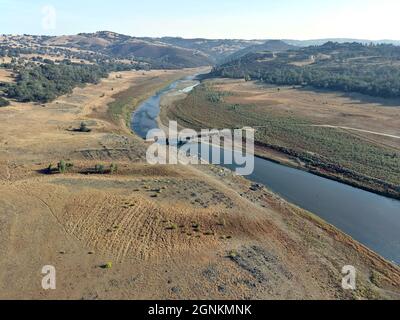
<point>270,45</point>
<point>156,53</point>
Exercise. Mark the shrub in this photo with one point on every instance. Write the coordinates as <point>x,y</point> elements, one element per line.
<point>83,128</point>
<point>62,166</point>
<point>50,168</point>
<point>233,254</point>
<point>108,265</point>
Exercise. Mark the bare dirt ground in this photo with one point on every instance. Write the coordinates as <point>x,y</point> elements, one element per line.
<point>170,232</point>
<point>5,59</point>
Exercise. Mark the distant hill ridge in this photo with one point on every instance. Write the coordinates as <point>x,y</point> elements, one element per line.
<point>200,51</point>
<point>178,52</point>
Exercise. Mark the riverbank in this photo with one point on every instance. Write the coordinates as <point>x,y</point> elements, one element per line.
<point>126,101</point>
<point>168,232</point>
<point>271,154</point>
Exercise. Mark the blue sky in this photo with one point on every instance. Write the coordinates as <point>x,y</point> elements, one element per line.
<point>289,19</point>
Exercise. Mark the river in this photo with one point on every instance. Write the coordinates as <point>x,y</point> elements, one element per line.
<point>371,219</point>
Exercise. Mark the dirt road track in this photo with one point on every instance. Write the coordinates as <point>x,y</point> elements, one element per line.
<point>359,130</point>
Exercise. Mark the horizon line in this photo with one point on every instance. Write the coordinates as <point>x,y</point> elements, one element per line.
<point>206,38</point>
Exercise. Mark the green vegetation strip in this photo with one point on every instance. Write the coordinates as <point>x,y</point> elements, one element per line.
<point>128,100</point>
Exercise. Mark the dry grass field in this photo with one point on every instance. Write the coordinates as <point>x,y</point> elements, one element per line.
<point>170,232</point>
<point>322,107</point>
<point>351,138</point>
